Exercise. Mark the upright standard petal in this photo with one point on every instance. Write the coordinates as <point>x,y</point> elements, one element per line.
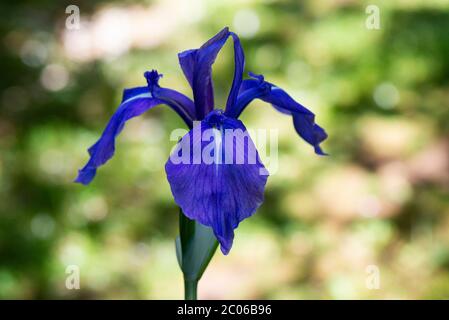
<point>197,67</point>
<point>216,176</point>
<point>303,119</point>
<point>135,102</point>
<point>239,66</point>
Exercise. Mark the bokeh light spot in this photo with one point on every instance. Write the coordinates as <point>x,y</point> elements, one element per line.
<point>246,23</point>
<point>386,95</point>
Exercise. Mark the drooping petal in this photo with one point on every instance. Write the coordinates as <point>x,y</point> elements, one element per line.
<point>135,101</point>
<point>180,103</point>
<point>303,119</point>
<point>133,92</point>
<point>216,176</point>
<point>197,67</point>
<point>104,148</point>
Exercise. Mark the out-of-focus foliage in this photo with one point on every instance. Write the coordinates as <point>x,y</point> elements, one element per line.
<point>380,202</point>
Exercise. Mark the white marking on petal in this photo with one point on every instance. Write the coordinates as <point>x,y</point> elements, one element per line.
<point>218,136</point>
<point>139,96</point>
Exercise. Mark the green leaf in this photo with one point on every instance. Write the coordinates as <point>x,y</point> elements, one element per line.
<point>178,251</point>
<point>195,247</point>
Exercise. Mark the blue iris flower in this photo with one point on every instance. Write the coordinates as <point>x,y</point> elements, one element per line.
<point>218,196</point>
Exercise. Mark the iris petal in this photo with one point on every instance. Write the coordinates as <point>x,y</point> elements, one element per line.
<point>303,118</point>
<point>132,92</point>
<point>197,67</point>
<point>180,103</point>
<point>135,101</point>
<point>220,186</point>
<point>239,66</point>
<point>104,148</point>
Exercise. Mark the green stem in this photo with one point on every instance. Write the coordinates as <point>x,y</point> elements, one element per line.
<point>190,289</point>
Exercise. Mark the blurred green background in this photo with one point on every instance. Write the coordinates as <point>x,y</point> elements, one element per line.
<point>380,202</point>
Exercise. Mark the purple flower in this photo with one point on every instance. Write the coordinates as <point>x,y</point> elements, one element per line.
<point>218,194</point>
